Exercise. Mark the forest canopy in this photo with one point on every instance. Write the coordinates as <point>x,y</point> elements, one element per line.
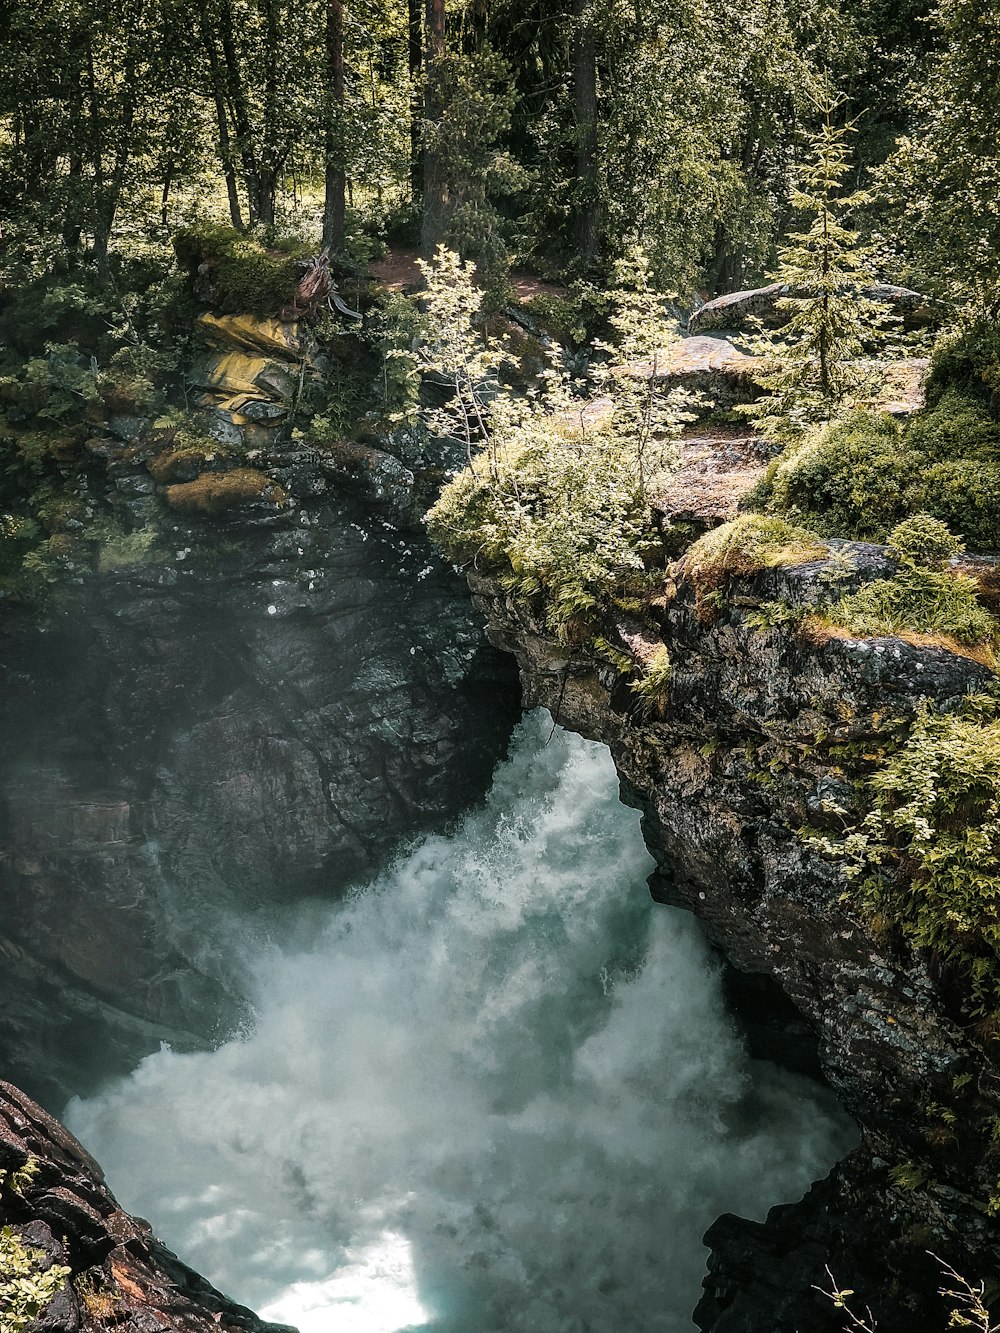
<point>560,133</point>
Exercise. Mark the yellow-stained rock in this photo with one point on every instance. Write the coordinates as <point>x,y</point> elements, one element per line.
<point>274,337</point>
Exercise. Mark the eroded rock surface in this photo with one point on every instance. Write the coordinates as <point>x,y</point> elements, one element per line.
<point>265,718</point>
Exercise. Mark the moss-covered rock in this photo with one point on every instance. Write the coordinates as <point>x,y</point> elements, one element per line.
<point>188,461</point>
<point>747,545</point>
<point>215,492</point>
<point>235,272</point>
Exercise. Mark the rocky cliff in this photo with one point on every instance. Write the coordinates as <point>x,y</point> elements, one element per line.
<point>108,1269</point>
<point>258,694</point>
<point>764,731</point>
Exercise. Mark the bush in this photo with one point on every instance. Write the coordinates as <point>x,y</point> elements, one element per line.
<point>863,476</point>
<point>967,360</point>
<point>923,540</point>
<point>27,1285</point>
<point>562,517</point>
<point>936,816</point>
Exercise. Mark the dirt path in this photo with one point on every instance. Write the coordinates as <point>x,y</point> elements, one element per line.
<point>398,271</point>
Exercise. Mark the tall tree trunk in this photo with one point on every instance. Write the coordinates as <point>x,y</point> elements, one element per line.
<point>240,109</point>
<point>221,118</point>
<point>435,196</point>
<point>336,173</point>
<point>587,222</point>
<point>269,165</point>
<point>415,60</point>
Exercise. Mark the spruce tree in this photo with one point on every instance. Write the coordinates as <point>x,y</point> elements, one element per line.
<point>813,359</point>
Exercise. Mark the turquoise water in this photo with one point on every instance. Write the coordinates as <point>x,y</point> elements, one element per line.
<point>495,1092</point>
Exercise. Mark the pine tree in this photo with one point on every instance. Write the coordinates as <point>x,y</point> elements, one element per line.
<point>825,269</point>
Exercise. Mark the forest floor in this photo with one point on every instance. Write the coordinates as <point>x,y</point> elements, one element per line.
<point>718,465</point>
<point>398,270</point>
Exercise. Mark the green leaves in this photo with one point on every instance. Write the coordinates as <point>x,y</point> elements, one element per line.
<point>814,358</point>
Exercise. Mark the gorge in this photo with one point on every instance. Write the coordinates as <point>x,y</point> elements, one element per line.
<point>499,666</point>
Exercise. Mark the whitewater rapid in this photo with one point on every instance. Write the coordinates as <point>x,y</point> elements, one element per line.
<point>495,1092</point>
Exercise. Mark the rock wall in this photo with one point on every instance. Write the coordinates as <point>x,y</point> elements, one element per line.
<point>263,719</point>
<point>750,746</point>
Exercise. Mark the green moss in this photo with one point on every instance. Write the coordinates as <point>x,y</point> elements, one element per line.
<point>864,475</point>
<point>216,492</point>
<point>860,478</point>
<point>246,275</point>
<point>748,544</point>
<point>186,460</point>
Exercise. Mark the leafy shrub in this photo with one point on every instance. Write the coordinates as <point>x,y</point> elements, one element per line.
<point>747,544</point>
<point>967,360</point>
<point>936,816</point>
<point>957,426</point>
<point>129,382</point>
<point>923,540</point>
<point>921,601</point>
<point>26,1286</point>
<point>561,515</point>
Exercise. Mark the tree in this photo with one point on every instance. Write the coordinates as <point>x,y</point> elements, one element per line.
<point>336,174</point>
<point>585,108</point>
<point>825,269</point>
<point>435,199</point>
<point>942,184</point>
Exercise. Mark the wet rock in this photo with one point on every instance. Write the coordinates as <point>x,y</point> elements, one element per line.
<point>121,1276</point>
<point>261,720</point>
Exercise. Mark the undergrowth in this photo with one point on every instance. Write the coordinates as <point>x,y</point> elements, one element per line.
<point>921,601</point>
<point>244,274</point>
<point>927,854</point>
<point>563,519</point>
<point>859,477</point>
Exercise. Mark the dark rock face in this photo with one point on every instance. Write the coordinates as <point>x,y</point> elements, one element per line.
<point>265,718</point>
<point>120,1277</point>
<point>738,760</point>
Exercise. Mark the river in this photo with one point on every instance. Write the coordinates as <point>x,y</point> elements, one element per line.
<point>494,1091</point>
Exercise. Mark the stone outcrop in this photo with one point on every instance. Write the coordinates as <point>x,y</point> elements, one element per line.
<point>121,1277</point>
<point>752,742</point>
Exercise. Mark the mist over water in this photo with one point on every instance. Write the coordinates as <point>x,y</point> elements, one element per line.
<point>496,1092</point>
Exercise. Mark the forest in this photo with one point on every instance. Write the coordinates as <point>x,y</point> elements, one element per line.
<point>558,136</point>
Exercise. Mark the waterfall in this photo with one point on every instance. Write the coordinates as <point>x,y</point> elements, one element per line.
<point>496,1091</point>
